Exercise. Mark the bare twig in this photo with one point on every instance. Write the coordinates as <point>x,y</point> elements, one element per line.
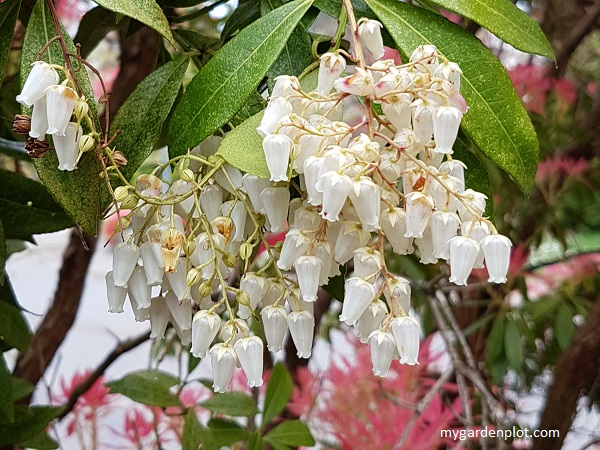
<point>83,387</point>
<point>578,33</point>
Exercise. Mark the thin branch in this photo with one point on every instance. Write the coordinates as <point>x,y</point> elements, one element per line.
<point>82,388</point>
<point>581,30</point>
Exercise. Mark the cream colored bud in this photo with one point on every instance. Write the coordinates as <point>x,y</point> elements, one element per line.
<point>245,251</point>
<point>122,224</point>
<point>229,260</point>
<point>121,192</point>
<point>183,165</point>
<point>81,109</point>
<point>189,247</point>
<point>193,277</point>
<point>205,289</point>
<point>129,202</point>
<point>86,143</point>
<point>187,175</point>
<point>243,298</point>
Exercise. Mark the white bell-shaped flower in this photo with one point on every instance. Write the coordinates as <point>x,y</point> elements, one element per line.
<point>422,119</point>
<point>306,218</point>
<point>276,110</point>
<point>324,251</point>
<point>154,273</point>
<point>308,145</point>
<point>367,263</point>
<point>370,320</point>
<point>181,311</point>
<point>496,249</point>
<point>450,71</point>
<point>147,184</point>
<point>425,246</point>
<point>223,361</point>
<point>444,226</point>
<point>256,288</point>
<point>361,83</point>
<point>302,327</point>
<point>205,327</point>
<point>211,199</point>
<point>456,169</point>
<point>285,86</point>
<point>277,149</point>
<point>234,330</point>
<point>42,76</point>
<point>159,317</point>
<point>140,314</point>
<point>350,237</point>
<point>275,325</point>
<point>331,66</point>
<point>446,121</point>
<point>39,120</point>
<point>397,110</point>
<point>463,252</point>
<point>295,244</point>
<point>116,294</point>
<point>138,288</point>
<point>366,198</point>
<point>336,188</point>
<point>253,186</point>
<point>383,348</point>
<point>185,336</point>
<point>275,200</point>
<point>249,351</point>
<point>275,291</point>
<point>397,293</point>
<point>60,101</point>
<point>407,334</point>
<point>237,211</point>
<point>419,208</point>
<point>125,258</point>
<point>358,296</point>
<point>476,202</point>
<point>393,225</point>
<point>67,146</point>
<point>178,281</point>
<point>476,229</point>
<point>308,272</point>
<point>427,58</point>
<point>312,170</point>
<point>369,32</point>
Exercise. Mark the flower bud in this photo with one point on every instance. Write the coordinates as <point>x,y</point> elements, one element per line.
<point>129,202</point>
<point>245,251</point>
<point>187,175</point>
<point>369,32</point>
<point>120,193</point>
<point>205,289</point>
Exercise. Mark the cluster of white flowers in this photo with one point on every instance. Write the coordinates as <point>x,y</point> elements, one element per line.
<point>54,105</point>
<point>387,181</point>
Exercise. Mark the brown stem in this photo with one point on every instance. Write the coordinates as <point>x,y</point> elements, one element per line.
<point>83,387</point>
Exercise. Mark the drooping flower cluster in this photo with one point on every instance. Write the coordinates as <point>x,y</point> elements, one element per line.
<point>387,181</point>
<point>58,111</point>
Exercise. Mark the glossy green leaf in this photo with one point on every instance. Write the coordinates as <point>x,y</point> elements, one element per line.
<point>28,423</point>
<point>21,388</point>
<point>242,148</point>
<point>279,392</point>
<point>7,408</point>
<point>564,326</point>
<point>40,441</point>
<point>506,21</point>
<point>192,432</point>
<point>220,89</point>
<point>14,331</point>
<point>9,11</point>
<point>292,432</point>
<point>246,13</point>
<point>296,54</point>
<point>335,285</point>
<point>495,340</point>
<point>255,442</point>
<point>148,387</point>
<point>231,404</point>
<point>146,11</point>
<point>79,191</point>
<point>94,26</point>
<point>225,432</point>
<point>513,346</point>
<point>141,117</point>
<point>496,122</point>
<point>27,208</point>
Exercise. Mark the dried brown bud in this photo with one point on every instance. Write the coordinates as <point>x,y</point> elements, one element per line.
<point>22,124</point>
<point>119,159</point>
<point>36,148</point>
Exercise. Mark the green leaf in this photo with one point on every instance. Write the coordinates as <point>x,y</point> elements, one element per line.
<point>277,446</point>
<point>79,191</point>
<point>255,442</point>
<point>9,11</point>
<point>146,11</point>
<point>27,424</point>
<point>513,347</point>
<point>246,13</point>
<point>293,433</point>
<point>242,148</point>
<point>192,432</point>
<point>564,326</point>
<point>27,208</point>
<point>3,253</point>
<point>220,89</point>
<point>296,54</point>
<point>231,404</point>
<point>141,117</point>
<point>496,122</point>
<point>335,285</point>
<point>506,21</point>
<point>21,388</point>
<point>7,407</point>
<point>40,441</point>
<point>14,331</point>
<point>495,340</point>
<point>149,387</point>
<point>279,392</point>
<point>94,26</point>
<point>226,433</point>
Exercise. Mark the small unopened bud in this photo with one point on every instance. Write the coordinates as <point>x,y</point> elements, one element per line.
<point>81,109</point>
<point>245,251</point>
<point>189,247</point>
<point>122,223</point>
<point>205,289</point>
<point>129,202</point>
<point>229,260</point>
<point>183,165</point>
<point>121,192</point>
<point>187,175</point>
<point>86,143</point>
<point>243,298</point>
<point>193,277</point>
